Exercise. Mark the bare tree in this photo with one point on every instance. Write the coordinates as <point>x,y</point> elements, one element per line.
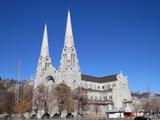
<point>63,96</point>
<point>137,106</point>
<point>82,100</point>
<point>6,97</point>
<point>152,104</point>
<point>25,104</point>
<point>41,99</point>
<point>8,103</point>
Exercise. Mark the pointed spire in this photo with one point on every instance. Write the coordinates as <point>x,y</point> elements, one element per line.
<point>69,60</point>
<point>69,35</point>
<point>45,48</point>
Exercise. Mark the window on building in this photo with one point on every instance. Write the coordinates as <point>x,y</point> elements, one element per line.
<point>107,107</point>
<point>100,98</point>
<point>50,78</point>
<point>112,107</point>
<point>86,86</point>
<point>103,87</point>
<point>91,97</point>
<point>110,97</point>
<point>113,85</point>
<point>109,86</point>
<point>91,86</point>
<point>124,103</point>
<point>105,97</point>
<point>86,96</point>
<point>96,98</point>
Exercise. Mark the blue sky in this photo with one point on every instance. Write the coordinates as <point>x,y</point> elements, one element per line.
<point>109,35</point>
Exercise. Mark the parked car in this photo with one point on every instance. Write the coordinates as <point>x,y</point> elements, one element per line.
<point>141,118</point>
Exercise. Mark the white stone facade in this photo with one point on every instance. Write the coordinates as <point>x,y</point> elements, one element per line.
<point>111,93</point>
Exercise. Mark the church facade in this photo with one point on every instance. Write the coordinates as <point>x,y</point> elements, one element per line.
<point>110,93</point>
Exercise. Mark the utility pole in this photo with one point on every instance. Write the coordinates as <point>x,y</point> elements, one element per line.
<point>17,84</point>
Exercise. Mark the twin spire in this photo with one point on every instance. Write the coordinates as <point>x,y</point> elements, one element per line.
<point>45,47</point>
<point>68,37</point>
<point>69,56</point>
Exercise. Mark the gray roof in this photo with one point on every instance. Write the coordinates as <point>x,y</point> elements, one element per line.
<point>99,79</point>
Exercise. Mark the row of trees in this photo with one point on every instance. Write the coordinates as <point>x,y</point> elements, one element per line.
<point>42,98</point>
<point>7,97</point>
<point>148,102</point>
<point>61,96</point>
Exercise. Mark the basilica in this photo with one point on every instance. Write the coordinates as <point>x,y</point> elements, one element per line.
<point>110,93</point>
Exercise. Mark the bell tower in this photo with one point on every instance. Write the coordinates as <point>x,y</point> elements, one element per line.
<point>69,58</point>
<point>69,64</point>
<point>44,66</point>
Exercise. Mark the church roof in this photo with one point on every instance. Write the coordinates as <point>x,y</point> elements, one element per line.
<point>99,79</point>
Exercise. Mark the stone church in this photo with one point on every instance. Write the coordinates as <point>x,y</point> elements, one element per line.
<point>110,93</point>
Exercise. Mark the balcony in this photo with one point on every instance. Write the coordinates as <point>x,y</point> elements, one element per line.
<point>100,102</point>
<point>94,90</point>
<point>127,101</point>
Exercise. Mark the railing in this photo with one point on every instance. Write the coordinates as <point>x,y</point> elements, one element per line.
<point>100,102</point>
<point>94,90</point>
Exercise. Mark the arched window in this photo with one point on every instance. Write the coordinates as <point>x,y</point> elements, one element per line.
<point>113,85</point>
<point>48,78</point>
<point>91,97</point>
